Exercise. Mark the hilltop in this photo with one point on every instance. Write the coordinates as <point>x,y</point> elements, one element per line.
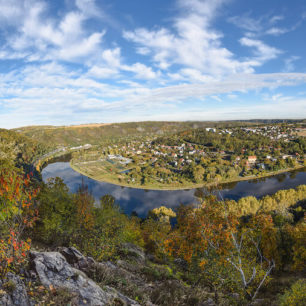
<point>97,133</point>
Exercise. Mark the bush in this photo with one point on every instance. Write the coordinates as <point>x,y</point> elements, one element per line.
<point>296,295</point>
<point>16,214</point>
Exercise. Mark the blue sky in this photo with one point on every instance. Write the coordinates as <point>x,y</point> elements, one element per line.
<point>88,61</point>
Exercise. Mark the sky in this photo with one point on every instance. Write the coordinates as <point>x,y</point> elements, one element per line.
<point>66,62</point>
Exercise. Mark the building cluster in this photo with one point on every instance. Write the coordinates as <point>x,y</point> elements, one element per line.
<point>177,156</point>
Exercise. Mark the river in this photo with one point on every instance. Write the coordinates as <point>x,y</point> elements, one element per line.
<point>141,201</point>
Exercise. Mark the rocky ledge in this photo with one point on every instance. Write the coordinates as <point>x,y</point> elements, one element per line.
<point>67,277</point>
<point>63,270</point>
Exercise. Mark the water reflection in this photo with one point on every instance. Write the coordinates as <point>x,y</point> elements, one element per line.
<point>141,201</point>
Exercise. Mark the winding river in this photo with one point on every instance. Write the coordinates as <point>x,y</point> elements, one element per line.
<point>141,201</point>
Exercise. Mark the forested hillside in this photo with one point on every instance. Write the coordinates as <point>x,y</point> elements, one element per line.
<point>80,135</point>
<point>19,149</point>
<point>97,134</point>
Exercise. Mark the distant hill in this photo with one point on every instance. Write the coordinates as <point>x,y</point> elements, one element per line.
<point>96,133</point>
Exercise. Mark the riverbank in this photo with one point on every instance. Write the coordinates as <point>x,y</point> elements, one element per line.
<point>110,180</point>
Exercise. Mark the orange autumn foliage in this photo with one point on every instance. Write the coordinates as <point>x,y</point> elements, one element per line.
<point>16,214</point>
<point>207,227</point>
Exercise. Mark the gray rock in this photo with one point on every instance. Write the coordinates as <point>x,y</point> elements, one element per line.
<point>108,269</point>
<point>135,252</point>
<point>16,295</point>
<point>209,302</point>
<point>71,254</point>
<point>77,259</point>
<point>259,302</point>
<point>53,270</point>
<point>117,295</point>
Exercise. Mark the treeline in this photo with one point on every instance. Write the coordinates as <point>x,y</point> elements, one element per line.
<point>278,202</point>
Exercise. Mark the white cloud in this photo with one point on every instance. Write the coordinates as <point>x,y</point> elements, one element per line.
<point>216,98</point>
<point>39,36</point>
<point>102,72</point>
<point>141,71</point>
<point>112,57</point>
<point>195,75</point>
<point>263,25</point>
<point>112,65</point>
<point>277,31</point>
<point>88,8</point>
<point>289,63</point>
<point>276,19</point>
<point>262,51</point>
<point>247,23</point>
<point>195,44</point>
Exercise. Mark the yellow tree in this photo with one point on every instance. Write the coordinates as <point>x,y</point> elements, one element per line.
<point>228,253</point>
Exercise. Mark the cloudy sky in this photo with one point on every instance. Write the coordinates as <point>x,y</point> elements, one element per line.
<point>81,61</point>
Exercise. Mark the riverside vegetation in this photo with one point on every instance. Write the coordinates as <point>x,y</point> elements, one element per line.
<point>218,253</point>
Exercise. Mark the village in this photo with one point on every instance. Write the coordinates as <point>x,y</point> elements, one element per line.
<point>187,153</point>
<point>182,160</point>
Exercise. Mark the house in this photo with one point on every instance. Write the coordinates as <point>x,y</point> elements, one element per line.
<point>285,156</point>
<point>261,166</point>
<point>252,159</point>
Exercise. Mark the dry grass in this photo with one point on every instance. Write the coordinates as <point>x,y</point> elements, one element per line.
<point>302,132</point>
<point>87,125</point>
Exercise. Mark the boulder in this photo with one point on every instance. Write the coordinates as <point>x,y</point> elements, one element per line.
<point>88,265</point>
<point>134,252</point>
<point>13,291</point>
<point>77,259</point>
<point>55,272</point>
<point>209,302</point>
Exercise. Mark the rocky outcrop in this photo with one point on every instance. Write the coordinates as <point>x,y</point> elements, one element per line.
<point>134,252</point>
<point>68,277</point>
<point>54,271</point>
<point>13,291</point>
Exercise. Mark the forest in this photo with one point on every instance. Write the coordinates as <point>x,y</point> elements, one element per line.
<point>227,252</point>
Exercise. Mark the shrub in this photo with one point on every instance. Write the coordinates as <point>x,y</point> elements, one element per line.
<point>295,296</point>
<point>16,214</point>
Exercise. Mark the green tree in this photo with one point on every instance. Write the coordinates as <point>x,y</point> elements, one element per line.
<point>57,213</point>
